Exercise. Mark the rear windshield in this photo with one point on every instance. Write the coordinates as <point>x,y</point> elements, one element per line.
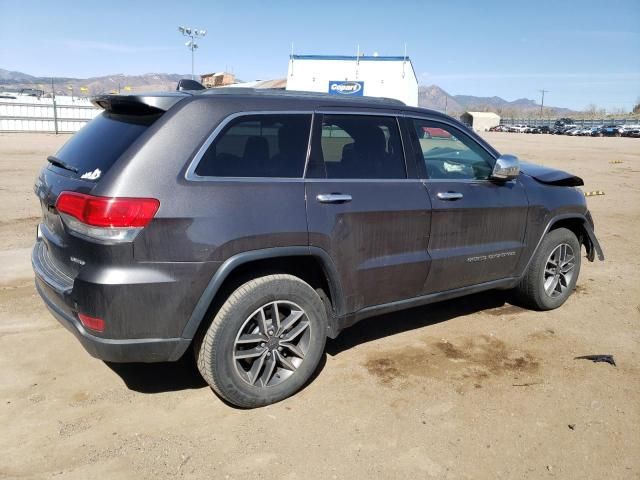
<point>96,147</point>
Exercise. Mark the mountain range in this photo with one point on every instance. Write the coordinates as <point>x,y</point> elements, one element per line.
<point>431,96</point>
<point>149,81</point>
<point>436,98</point>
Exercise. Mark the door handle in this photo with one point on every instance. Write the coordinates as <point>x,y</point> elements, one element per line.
<point>333,198</point>
<point>449,195</point>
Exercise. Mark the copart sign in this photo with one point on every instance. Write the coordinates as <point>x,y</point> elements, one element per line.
<point>354,89</point>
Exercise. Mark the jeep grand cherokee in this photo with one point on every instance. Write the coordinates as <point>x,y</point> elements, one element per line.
<point>252,226</point>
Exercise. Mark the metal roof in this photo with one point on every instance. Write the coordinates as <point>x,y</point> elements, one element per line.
<point>367,58</point>
<point>266,92</point>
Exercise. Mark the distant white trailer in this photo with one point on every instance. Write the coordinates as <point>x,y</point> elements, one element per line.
<point>480,121</point>
<point>356,76</point>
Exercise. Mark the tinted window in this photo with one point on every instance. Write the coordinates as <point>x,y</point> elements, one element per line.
<point>447,153</point>
<point>361,146</point>
<point>101,141</point>
<point>259,146</point>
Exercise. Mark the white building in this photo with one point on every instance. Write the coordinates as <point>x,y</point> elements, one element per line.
<point>372,76</point>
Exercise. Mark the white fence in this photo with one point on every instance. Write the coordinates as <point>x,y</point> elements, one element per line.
<point>31,114</point>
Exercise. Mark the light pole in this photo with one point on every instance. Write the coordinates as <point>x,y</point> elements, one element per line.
<point>191,44</point>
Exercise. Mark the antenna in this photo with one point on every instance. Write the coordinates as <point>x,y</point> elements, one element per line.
<point>404,61</point>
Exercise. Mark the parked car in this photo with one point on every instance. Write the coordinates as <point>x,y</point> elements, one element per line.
<point>430,132</point>
<point>628,129</point>
<point>250,226</point>
<point>574,131</point>
<point>635,132</point>
<point>563,122</point>
<point>518,128</point>
<point>545,129</point>
<point>611,131</point>
<point>567,128</point>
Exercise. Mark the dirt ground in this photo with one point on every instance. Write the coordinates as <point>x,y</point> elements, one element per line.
<point>470,388</point>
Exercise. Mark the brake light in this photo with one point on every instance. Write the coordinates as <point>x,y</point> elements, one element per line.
<point>92,323</point>
<point>108,211</point>
<point>106,219</point>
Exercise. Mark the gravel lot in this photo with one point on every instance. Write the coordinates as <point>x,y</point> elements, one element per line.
<point>471,388</point>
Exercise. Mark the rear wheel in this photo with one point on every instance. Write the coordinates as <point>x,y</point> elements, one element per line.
<point>553,271</point>
<point>265,342</point>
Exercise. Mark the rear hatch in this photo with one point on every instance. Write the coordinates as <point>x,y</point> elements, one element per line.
<point>62,248</point>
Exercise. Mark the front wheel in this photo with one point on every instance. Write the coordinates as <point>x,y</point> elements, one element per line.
<point>265,342</point>
<point>553,271</point>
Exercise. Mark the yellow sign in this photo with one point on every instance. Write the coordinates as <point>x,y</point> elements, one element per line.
<point>84,89</point>
<point>127,88</point>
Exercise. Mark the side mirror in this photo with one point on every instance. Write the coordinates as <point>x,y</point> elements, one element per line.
<point>507,167</point>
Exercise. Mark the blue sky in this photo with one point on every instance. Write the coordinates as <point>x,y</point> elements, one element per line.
<point>582,52</point>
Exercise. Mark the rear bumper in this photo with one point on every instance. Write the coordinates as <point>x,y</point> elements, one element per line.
<point>145,317</point>
<point>112,350</point>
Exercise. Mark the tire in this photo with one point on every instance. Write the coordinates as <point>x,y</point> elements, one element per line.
<point>227,354</point>
<point>531,290</point>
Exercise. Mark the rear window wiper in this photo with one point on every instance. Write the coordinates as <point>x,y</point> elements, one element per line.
<point>61,163</point>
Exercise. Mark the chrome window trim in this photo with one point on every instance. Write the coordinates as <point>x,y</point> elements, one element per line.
<point>190,174</point>
<point>368,113</point>
<point>363,180</point>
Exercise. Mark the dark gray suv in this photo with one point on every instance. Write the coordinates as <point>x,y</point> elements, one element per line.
<point>251,226</point>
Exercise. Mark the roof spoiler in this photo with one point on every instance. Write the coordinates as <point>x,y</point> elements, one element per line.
<point>150,104</point>
<point>189,85</point>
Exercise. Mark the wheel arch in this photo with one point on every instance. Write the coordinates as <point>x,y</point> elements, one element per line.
<point>311,264</point>
<point>583,230</point>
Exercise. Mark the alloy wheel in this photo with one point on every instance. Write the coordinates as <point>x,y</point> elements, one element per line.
<point>559,270</point>
<point>272,343</point>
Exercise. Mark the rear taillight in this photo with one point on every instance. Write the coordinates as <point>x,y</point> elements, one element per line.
<point>106,218</point>
<point>92,323</point>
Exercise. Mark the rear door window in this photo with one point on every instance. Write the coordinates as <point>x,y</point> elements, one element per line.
<point>97,145</point>
<point>273,145</point>
<point>361,146</point>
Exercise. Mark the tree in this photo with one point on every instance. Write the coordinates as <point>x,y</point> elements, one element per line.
<point>636,107</point>
<point>591,110</point>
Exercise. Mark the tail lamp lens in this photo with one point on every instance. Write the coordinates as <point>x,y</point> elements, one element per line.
<point>92,323</point>
<point>108,212</point>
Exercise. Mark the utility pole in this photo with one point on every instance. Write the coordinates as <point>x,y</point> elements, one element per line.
<point>193,34</point>
<point>55,113</point>
<point>542,102</point>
